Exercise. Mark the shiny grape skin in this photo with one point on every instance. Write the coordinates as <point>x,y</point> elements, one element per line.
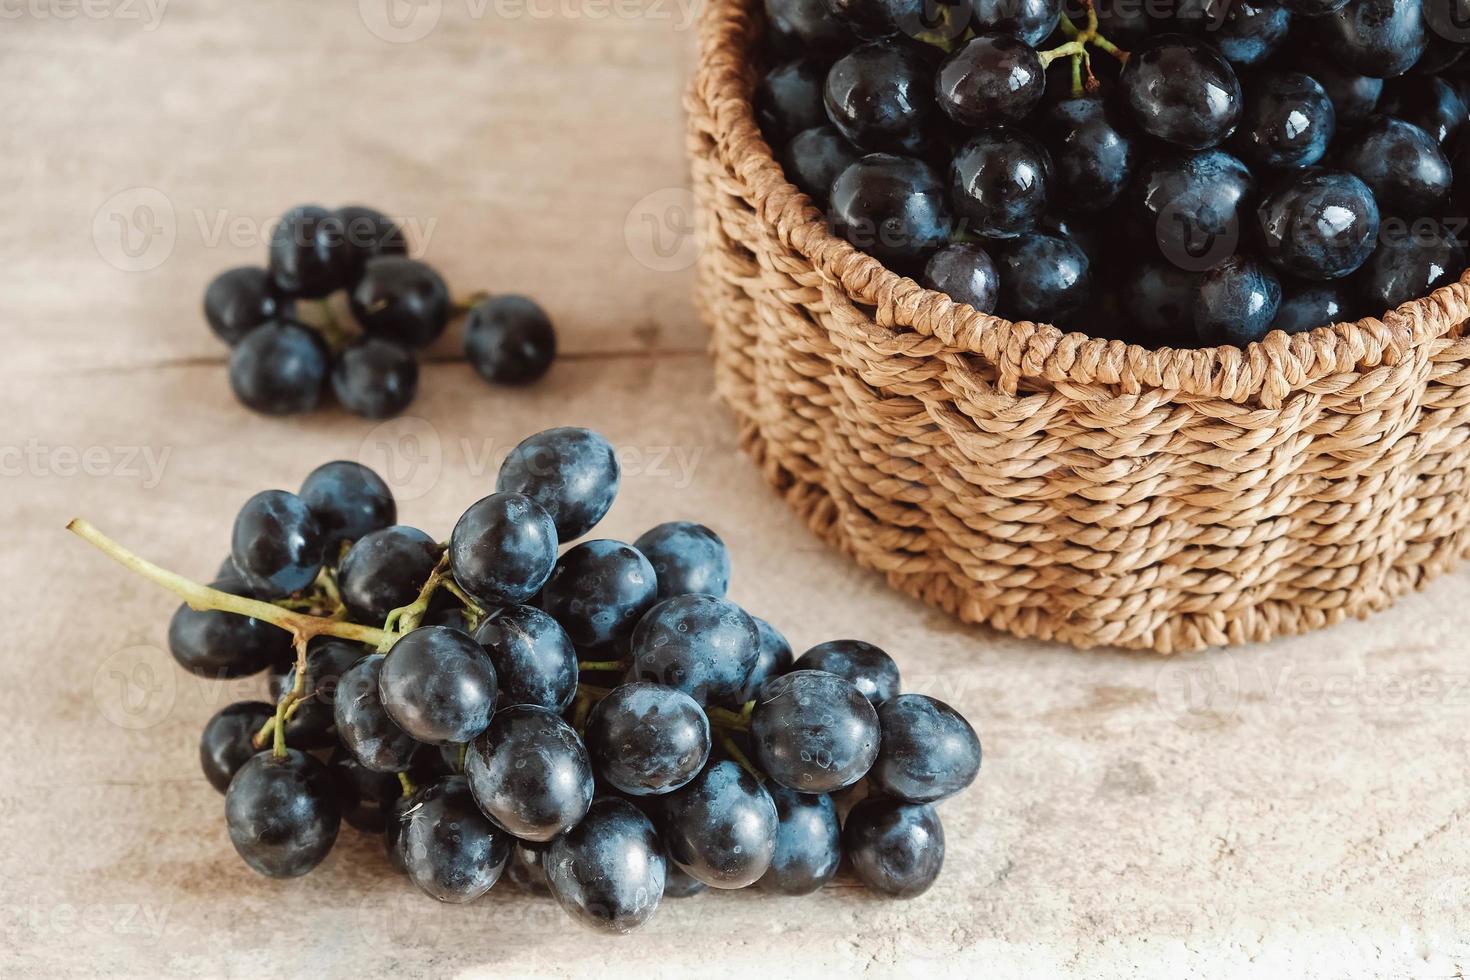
<point>773,660</point>
<point>1043,278</point>
<point>812,27</point>
<point>1428,102</point>
<point>813,731</point>
<point>965,272</point>
<point>367,233</point>
<point>509,340</point>
<point>789,99</point>
<point>808,843</point>
<point>1381,38</point>
<point>928,750</point>
<point>376,379</point>
<point>679,883</point>
<point>990,79</point>
<point>1249,33</point>
<point>1180,90</point>
<point>1029,20</point>
<point>608,871</point>
<point>867,667</point>
<point>599,590</point>
<point>385,569</point>
<point>363,725</point>
<point>687,557</point>
<point>1193,206</point>
<point>276,544</point>
<point>721,827</point>
<point>401,300</point>
<point>1235,302</point>
<point>348,500</point>
<point>533,657</point>
<point>1159,298</point>
<point>1092,157</point>
<point>1307,306</point>
<point>364,796</point>
<point>892,207</point>
<point>438,686</point>
<point>1410,262</point>
<point>449,848</point>
<point>1287,122</point>
<point>530,773</point>
<point>308,257</point>
<point>502,549</point>
<point>1354,96</point>
<point>896,848</point>
<point>1402,165</point>
<point>279,369</point>
<point>572,472</point>
<point>1321,224</point>
<point>813,159</point>
<point>881,97</point>
<point>313,726</point>
<point>999,182</point>
<point>281,814</point>
<point>220,645</point>
<point>225,744</point>
<point>701,645</point>
<point>871,19</point>
<point>238,300</point>
<point>646,739</point>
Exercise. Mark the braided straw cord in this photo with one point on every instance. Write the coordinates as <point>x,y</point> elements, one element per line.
<point>1059,486</point>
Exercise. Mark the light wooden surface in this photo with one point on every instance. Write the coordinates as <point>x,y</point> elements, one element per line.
<point>1291,809</point>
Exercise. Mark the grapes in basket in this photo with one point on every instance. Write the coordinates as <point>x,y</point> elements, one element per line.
<point>1187,173</point>
<point>590,719</point>
<point>289,347</point>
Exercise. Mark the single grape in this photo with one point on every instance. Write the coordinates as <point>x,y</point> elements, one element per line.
<point>1309,305</point>
<point>220,645</point>
<point>999,183</point>
<point>1235,302</point>
<point>226,744</point>
<point>1381,38</point>
<point>530,773</point>
<point>279,369</point>
<point>896,848</point>
<point>1246,32</point>
<point>308,257</point>
<point>867,667</point>
<point>789,99</point>
<point>1193,206</point>
<point>647,739</point>
<point>1321,224</point>
<point>313,726</point>
<point>814,157</point>
<point>679,883</point>
<point>1409,263</point>
<point>438,685</point>
<point>572,472</point>
<point>276,544</point>
<point>401,300</point>
<point>450,849</point>
<point>533,657</point>
<point>367,234</point>
<point>238,300</point>
<point>1428,102</point>
<point>599,590</point>
<point>892,207</point>
<point>365,797</point>
<point>698,644</point>
<point>375,378</point>
<point>526,868</point>
<point>1287,122</point>
<point>928,753</point>
<point>965,272</point>
<point>688,557</point>
<point>1093,156</point>
<point>1354,96</point>
<point>1045,278</point>
<point>1159,298</point>
<point>808,843</point>
<point>1401,164</point>
<point>990,79</point>
<point>773,660</point>
<point>608,871</point>
<point>813,731</point>
<point>362,723</point>
<point>502,549</point>
<point>721,827</point>
<point>880,96</point>
<point>811,26</point>
<point>509,340</point>
<point>385,569</point>
<point>1029,20</point>
<point>1180,90</point>
<point>282,814</point>
<point>348,500</point>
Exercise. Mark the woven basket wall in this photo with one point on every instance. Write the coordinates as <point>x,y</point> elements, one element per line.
<point>1058,486</point>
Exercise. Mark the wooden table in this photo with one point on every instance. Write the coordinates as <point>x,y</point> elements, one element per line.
<point>1290,809</point>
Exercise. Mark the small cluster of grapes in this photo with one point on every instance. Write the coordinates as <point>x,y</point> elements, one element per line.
<point>1244,166</point>
<point>287,348</point>
<point>603,724</point>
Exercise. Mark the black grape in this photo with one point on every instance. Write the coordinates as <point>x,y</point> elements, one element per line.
<point>530,773</point>
<point>648,739</point>
<point>573,473</point>
<point>687,557</point>
<point>813,731</point>
<point>720,828</point>
<point>282,814</point>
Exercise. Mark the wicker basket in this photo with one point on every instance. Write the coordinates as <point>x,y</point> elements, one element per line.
<point>1054,485</point>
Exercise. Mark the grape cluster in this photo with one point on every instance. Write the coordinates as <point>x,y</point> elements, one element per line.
<point>596,718</point>
<point>289,345</point>
<point>1181,173</point>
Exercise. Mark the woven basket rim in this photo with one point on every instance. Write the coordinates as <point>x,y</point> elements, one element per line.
<point>1267,370</point>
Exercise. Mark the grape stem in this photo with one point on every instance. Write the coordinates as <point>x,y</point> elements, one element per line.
<point>407,618</point>
<point>729,746</point>
<point>467,303</point>
<point>586,665</point>
<point>1076,49</point>
<point>408,787</point>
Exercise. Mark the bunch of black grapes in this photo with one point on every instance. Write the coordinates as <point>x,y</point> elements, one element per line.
<point>1181,173</point>
<point>288,347</point>
<point>600,723</point>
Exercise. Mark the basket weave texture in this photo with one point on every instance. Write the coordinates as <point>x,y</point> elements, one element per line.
<point>1059,486</point>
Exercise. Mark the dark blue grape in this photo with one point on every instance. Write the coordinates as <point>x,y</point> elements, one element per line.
<point>1235,302</point>
<point>530,773</point>
<point>808,843</point>
<point>365,797</point>
<point>1381,38</point>
<point>375,378</point>
<point>1287,123</point>
<point>810,25</point>
<point>966,273</point>
<point>679,883</point>
<point>279,369</point>
<point>226,745</point>
<point>720,828</point>
<point>362,723</point>
<point>688,557</point>
<point>879,18</point>
<point>1180,90</point>
<point>1246,32</point>
<point>503,548</point>
<point>773,660</point>
<point>221,645</point>
<point>282,814</point>
<point>1409,263</point>
<point>881,97</point>
<point>1159,298</point>
<point>1044,278</point>
<point>1428,102</point>
<point>1354,96</point>
<point>571,472</point>
<point>647,739</point>
<point>401,300</point>
<point>599,590</point>
<point>238,300</point>
<point>526,868</point>
<point>813,731</point>
<point>384,570</point>
<point>450,849</point>
<point>308,257</point>
<point>313,725</point>
<point>367,234</point>
<point>892,207</point>
<point>533,657</point>
<point>895,848</point>
<point>929,752</point>
<point>1092,157</point>
<point>438,685</point>
<point>1029,20</point>
<point>990,79</point>
<point>348,500</point>
<point>1321,225</point>
<point>999,183</point>
<point>276,544</point>
<point>1401,164</point>
<point>789,99</point>
<point>1192,206</point>
<point>608,871</point>
<point>867,667</point>
<point>509,340</point>
<point>1309,305</point>
<point>814,157</point>
<point>699,644</point>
